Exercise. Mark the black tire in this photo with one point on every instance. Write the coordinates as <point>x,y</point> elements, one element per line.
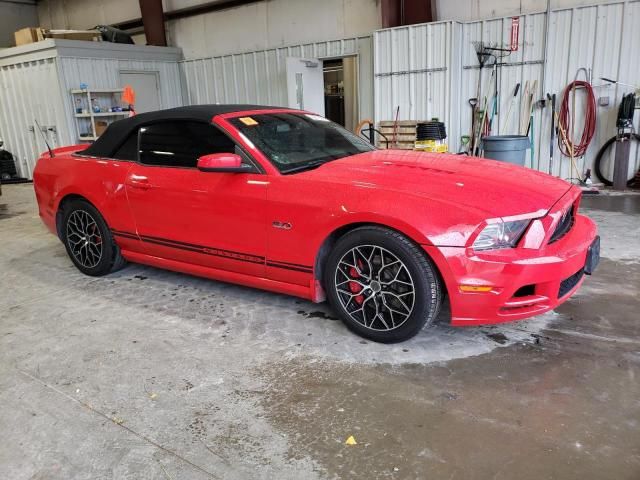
<point>597,164</point>
<point>382,299</point>
<point>109,258</point>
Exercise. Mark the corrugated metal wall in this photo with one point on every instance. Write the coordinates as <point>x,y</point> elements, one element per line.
<point>105,73</point>
<point>31,91</point>
<point>602,38</point>
<point>40,89</point>
<point>260,77</point>
<point>413,68</point>
<point>525,64</point>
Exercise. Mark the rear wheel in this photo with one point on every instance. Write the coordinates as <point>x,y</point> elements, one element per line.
<point>88,240</point>
<point>382,285</point>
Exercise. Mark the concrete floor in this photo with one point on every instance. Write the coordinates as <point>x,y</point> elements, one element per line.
<point>148,374</point>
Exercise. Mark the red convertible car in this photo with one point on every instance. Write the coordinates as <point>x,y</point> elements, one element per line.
<point>285,200</point>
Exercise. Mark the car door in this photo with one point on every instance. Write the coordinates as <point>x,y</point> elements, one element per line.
<point>212,219</point>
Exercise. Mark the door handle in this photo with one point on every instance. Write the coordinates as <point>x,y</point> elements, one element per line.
<point>139,181</point>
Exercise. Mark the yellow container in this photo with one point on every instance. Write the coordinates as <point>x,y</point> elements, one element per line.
<point>434,146</point>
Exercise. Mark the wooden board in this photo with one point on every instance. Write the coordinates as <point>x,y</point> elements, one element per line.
<point>398,146</point>
<point>401,138</point>
<point>399,130</point>
<point>401,123</point>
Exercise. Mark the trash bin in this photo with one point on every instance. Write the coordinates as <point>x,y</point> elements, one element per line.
<point>506,148</point>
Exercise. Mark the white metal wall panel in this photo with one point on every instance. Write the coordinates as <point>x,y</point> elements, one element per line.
<point>30,91</point>
<point>585,37</point>
<point>617,59</point>
<point>412,70</point>
<point>521,65</point>
<point>601,38</point>
<point>260,77</point>
<point>105,73</point>
<point>35,84</point>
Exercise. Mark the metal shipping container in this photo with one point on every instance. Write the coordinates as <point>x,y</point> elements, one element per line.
<point>36,80</point>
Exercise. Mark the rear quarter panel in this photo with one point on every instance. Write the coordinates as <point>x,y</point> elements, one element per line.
<point>99,181</point>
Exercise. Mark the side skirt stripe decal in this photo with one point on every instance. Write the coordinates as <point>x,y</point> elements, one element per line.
<point>206,251</point>
<point>289,266</point>
<point>216,252</point>
<point>124,234</point>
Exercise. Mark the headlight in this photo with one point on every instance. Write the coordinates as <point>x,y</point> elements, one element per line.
<point>500,235</point>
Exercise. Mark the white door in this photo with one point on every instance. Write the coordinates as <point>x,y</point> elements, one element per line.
<point>305,84</point>
<point>146,85</point>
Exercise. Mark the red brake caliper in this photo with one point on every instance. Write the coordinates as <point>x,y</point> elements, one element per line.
<point>98,237</point>
<point>354,286</point>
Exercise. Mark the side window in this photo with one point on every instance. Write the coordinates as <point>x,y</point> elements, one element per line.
<point>180,144</point>
<point>129,149</point>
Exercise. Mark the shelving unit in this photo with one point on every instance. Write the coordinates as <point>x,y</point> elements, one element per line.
<point>85,100</point>
<point>101,114</point>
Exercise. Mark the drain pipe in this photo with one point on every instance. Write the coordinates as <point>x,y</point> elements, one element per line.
<point>153,21</point>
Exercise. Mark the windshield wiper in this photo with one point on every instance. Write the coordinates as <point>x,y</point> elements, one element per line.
<point>306,166</point>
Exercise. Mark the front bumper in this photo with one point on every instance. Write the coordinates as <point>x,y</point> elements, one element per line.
<point>525,281</point>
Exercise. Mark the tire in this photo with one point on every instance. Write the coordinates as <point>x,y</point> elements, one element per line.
<point>597,164</point>
<point>88,240</point>
<point>368,278</point>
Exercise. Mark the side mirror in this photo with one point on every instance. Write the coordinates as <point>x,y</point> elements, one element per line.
<point>223,162</point>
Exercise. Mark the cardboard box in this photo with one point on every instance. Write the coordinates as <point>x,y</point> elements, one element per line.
<point>85,35</point>
<point>101,126</point>
<point>28,35</point>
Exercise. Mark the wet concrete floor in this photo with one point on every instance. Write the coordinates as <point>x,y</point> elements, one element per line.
<point>149,374</point>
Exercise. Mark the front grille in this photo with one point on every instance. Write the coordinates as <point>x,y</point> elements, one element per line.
<point>564,226</point>
<point>568,283</point>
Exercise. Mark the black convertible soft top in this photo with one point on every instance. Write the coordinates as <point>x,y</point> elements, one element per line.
<point>120,130</point>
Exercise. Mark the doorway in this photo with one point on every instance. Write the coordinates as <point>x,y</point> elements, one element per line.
<point>146,86</point>
<point>340,91</point>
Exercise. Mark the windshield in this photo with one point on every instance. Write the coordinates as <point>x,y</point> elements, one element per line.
<point>294,142</point>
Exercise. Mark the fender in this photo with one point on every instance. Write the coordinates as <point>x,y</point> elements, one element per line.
<point>401,226</point>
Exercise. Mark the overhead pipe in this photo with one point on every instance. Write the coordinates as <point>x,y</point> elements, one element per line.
<point>153,21</point>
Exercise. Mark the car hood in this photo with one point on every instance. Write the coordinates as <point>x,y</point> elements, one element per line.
<point>497,189</point>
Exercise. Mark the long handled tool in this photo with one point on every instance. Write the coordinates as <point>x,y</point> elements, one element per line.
<point>394,138</point>
<point>510,109</point>
<point>552,134</point>
<point>473,102</point>
<point>523,106</point>
<point>496,99</point>
<point>532,150</point>
<point>480,127</point>
<point>568,144</point>
<point>525,122</point>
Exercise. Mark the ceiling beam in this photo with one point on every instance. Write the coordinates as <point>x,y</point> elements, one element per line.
<point>207,7</point>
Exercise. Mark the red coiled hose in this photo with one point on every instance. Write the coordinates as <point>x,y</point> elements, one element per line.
<point>565,120</point>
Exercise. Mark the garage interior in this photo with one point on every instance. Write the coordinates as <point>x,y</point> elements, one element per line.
<point>147,373</point>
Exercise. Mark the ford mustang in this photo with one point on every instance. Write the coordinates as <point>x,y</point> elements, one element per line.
<point>287,201</point>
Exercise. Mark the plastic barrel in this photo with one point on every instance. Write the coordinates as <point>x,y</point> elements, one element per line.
<point>506,148</point>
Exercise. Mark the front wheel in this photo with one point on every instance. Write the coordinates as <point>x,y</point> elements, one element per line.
<point>382,285</point>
